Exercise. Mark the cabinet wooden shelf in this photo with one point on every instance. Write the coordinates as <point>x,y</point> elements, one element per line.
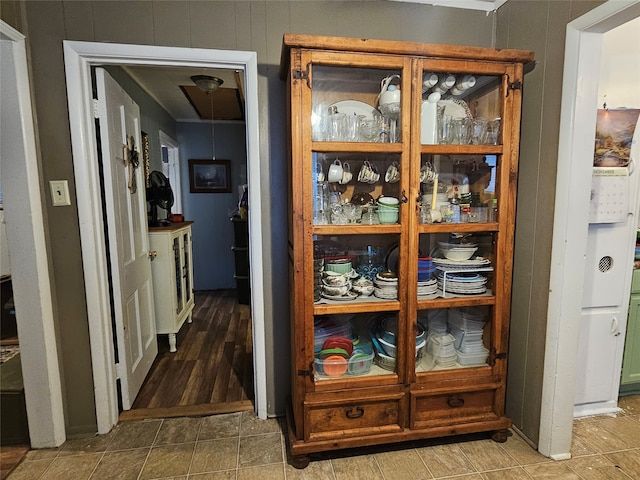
<point>403,371</point>
<point>172,273</point>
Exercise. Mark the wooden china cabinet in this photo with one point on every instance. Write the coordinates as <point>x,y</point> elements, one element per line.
<point>425,355</point>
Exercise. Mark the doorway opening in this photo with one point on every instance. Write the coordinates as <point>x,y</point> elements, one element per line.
<point>79,58</point>
<point>575,161</point>
<point>170,157</point>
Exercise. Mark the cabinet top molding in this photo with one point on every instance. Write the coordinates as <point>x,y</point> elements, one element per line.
<point>393,47</point>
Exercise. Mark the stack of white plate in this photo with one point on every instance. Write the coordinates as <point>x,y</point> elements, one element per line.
<point>446,264</point>
<point>462,283</point>
<point>385,286</point>
<point>430,287</point>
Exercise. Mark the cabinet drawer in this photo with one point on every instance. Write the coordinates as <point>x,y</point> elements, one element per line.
<point>353,418</point>
<point>451,408</point>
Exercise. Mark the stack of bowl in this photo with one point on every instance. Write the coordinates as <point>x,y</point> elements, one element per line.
<point>383,333</point>
<point>388,208</point>
<point>335,284</point>
<point>425,268</point>
<point>330,326</point>
<point>339,265</point>
<point>386,285</point>
<point>440,351</point>
<point>467,325</point>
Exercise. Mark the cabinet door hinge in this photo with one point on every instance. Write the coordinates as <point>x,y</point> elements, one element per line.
<point>496,356</point>
<point>517,85</point>
<point>299,74</point>
<point>308,372</point>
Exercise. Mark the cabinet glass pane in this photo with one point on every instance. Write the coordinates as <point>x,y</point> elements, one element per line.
<point>187,266</point>
<point>466,188</point>
<point>346,188</point>
<point>356,268</point>
<point>457,337</point>
<point>178,273</point>
<point>455,265</point>
<point>355,345</point>
<point>460,109</point>
<point>355,104</point>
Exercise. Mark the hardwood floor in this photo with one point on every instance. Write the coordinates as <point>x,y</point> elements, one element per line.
<point>212,371</point>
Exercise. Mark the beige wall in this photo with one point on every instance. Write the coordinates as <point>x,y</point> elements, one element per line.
<point>537,25</point>
<point>234,25</point>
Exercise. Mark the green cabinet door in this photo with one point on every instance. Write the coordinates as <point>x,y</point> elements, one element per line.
<point>630,382</point>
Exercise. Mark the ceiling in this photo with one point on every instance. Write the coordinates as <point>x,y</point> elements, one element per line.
<point>174,90</point>
<point>485,5</point>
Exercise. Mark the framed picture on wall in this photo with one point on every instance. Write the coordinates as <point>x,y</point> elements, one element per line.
<point>210,176</point>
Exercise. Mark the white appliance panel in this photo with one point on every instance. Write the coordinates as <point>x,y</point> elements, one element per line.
<point>597,355</point>
<point>607,266</point>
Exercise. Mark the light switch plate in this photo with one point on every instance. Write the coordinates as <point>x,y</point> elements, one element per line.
<point>59,193</point>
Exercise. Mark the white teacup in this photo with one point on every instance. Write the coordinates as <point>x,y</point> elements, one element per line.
<point>393,174</point>
<point>335,172</point>
<point>346,173</point>
<point>365,172</point>
<point>336,290</point>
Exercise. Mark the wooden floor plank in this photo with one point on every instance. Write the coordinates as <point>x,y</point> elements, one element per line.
<point>213,366</point>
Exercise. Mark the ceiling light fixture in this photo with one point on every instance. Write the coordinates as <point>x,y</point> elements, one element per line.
<point>207,83</point>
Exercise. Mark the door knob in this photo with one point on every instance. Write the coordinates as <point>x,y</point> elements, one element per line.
<point>153,254</point>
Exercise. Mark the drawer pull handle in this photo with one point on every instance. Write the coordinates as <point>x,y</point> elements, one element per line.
<point>359,411</point>
<point>455,401</point>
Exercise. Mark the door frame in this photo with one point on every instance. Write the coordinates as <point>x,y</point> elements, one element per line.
<point>29,253</point>
<point>571,219</point>
<point>173,150</point>
<point>79,57</point>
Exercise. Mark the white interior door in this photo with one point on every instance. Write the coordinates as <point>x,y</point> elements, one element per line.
<point>126,217</point>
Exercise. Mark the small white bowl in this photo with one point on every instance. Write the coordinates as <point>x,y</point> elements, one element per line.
<point>388,201</point>
<point>364,290</point>
<point>458,254</point>
<point>336,290</point>
<point>335,280</point>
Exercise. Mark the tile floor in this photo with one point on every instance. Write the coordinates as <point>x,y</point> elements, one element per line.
<point>240,447</point>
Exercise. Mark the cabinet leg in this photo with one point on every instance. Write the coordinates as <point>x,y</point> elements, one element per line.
<point>172,343</point>
<point>299,461</point>
<point>500,436</point>
<point>190,318</point>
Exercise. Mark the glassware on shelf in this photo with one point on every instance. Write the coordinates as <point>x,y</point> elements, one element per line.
<point>493,132</point>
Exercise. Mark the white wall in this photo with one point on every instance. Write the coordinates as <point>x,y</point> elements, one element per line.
<point>620,68</point>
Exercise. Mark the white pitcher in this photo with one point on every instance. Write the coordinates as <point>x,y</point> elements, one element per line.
<point>388,93</point>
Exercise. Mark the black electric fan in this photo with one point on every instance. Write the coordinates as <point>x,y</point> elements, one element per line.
<point>159,194</point>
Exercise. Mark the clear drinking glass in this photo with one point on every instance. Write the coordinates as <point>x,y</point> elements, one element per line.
<point>445,128</point>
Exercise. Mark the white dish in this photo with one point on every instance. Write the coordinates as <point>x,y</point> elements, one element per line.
<point>455,107</point>
<point>446,264</point>
<point>346,297</point>
<point>357,107</point>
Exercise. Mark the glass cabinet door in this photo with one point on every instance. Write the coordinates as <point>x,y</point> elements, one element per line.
<point>188,288</point>
<point>178,274</point>
<point>462,178</point>
<point>356,176</point>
